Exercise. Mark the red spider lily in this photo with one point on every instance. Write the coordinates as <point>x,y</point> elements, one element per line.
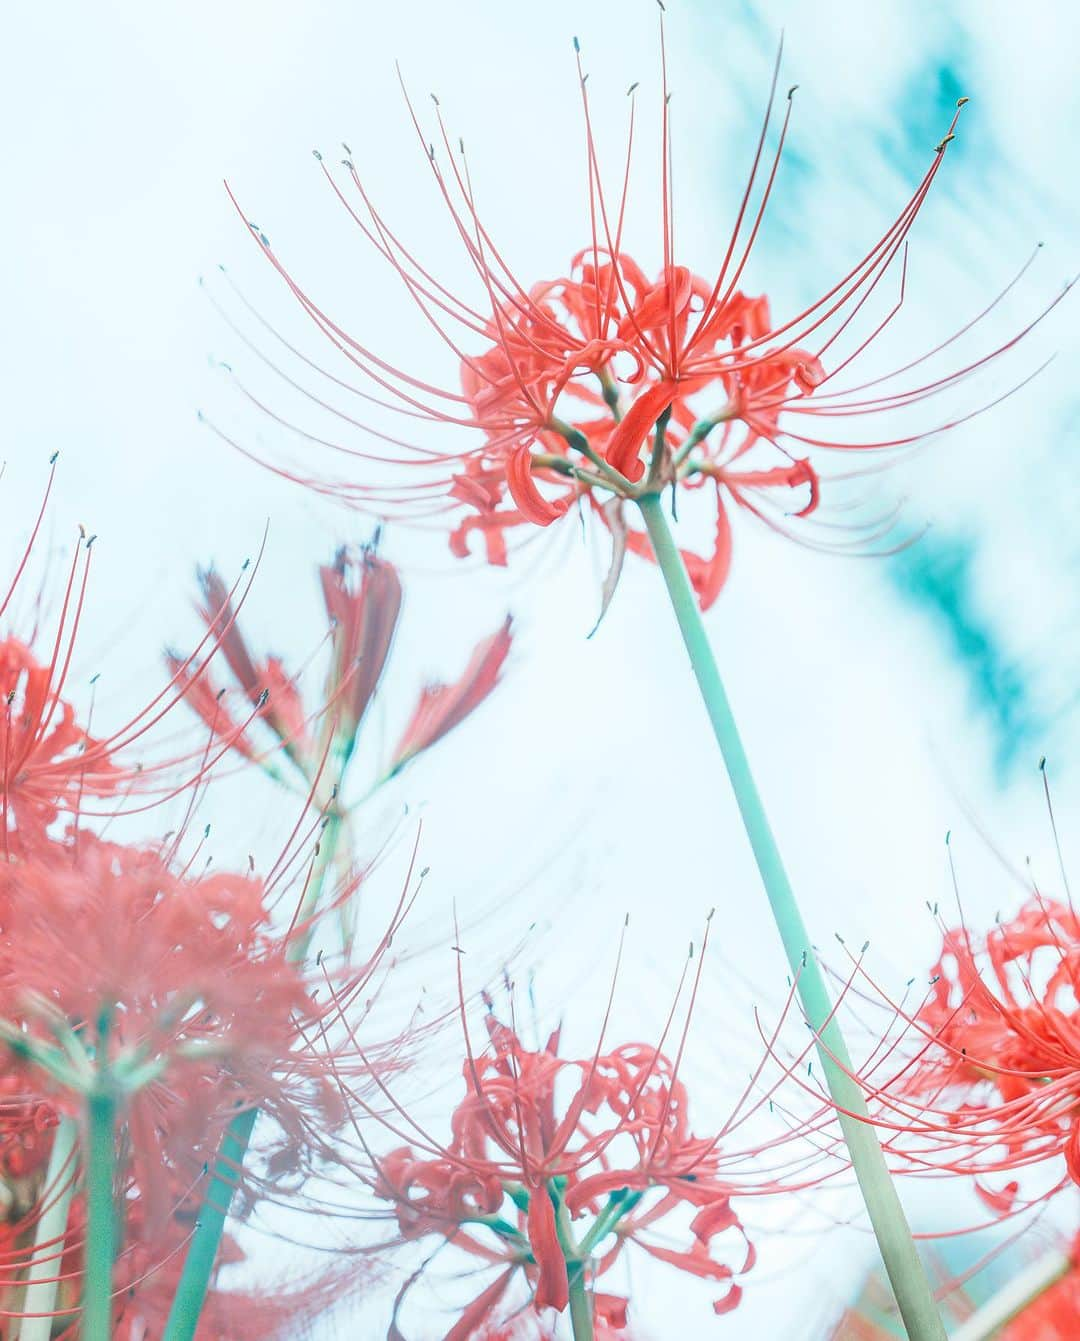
<point>523,1169</point>
<point>362,595</point>
<point>441,707</point>
<point>177,989</point>
<point>50,764</point>
<point>604,384</point>
<point>49,761</point>
<point>1004,1068</point>
<point>991,1083</point>
<point>556,1165</point>
<point>26,1125</point>
<point>177,985</point>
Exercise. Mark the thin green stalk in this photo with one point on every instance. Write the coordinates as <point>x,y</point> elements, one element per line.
<point>100,1212</point>
<point>580,1305</point>
<point>41,1280</point>
<point>324,859</point>
<point>913,1293</point>
<point>187,1304</point>
<point>190,1294</point>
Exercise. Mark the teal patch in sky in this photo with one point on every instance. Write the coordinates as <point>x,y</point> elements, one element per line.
<point>936,576</point>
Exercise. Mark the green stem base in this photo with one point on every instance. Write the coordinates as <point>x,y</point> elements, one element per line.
<point>581,1320</point>
<point>190,1294</point>
<point>100,1215</point>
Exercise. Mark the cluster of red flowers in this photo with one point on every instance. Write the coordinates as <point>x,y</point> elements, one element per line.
<point>174,993</point>
<point>149,1013</point>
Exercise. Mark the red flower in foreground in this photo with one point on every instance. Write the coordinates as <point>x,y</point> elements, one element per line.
<point>606,384</point>
<point>363,597</point>
<point>120,969</point>
<point>556,1165</point>
<point>175,983</point>
<point>536,1185</point>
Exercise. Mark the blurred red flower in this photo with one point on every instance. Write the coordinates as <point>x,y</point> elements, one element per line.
<point>362,596</point>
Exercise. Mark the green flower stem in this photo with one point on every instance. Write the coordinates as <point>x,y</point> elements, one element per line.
<point>100,1212</point>
<point>41,1280</point>
<point>619,1204</point>
<point>580,1304</point>
<point>190,1294</point>
<point>187,1304</point>
<point>913,1293</point>
<point>324,860</point>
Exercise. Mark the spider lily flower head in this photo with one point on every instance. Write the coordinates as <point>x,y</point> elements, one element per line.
<point>362,594</point>
<point>559,1165</point>
<point>982,1078</point>
<point>173,987</point>
<point>615,380</point>
<point>544,1187</point>
<point>48,760</point>
<point>54,770</point>
<point>1003,1058</point>
<point>121,972</point>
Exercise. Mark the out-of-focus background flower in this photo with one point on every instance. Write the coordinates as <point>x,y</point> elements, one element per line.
<point>884,702</point>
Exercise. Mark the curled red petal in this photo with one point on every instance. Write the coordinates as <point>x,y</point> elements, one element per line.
<point>789,477</point>
<point>531,503</point>
<point>624,445</point>
<point>552,1285</point>
<point>730,1301</point>
<point>707,576</point>
<point>610,1309</point>
<point>1000,1201</point>
<point>713,1219</point>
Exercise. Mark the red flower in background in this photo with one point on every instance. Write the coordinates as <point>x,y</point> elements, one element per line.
<point>48,761</point>
<point>605,384</point>
<point>363,596</point>
<point>993,1085</point>
<point>51,765</point>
